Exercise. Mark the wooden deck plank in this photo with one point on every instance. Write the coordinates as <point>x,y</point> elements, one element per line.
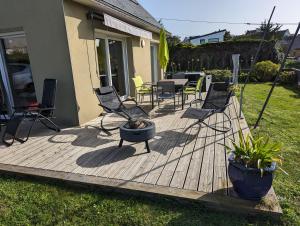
<point>21,156</point>
<point>183,162</point>
<point>162,145</point>
<point>53,159</point>
<point>206,177</point>
<point>167,148</point>
<point>193,174</point>
<point>167,172</point>
<point>220,176</point>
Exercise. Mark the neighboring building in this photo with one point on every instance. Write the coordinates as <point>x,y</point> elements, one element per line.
<point>83,44</point>
<point>217,36</point>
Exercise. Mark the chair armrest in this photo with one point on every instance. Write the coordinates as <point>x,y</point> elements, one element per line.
<point>39,109</point>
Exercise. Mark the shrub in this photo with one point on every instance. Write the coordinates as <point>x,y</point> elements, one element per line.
<point>292,64</point>
<point>288,77</point>
<point>265,71</point>
<point>219,75</point>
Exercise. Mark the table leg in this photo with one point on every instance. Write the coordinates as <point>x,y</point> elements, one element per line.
<point>152,99</point>
<point>182,104</point>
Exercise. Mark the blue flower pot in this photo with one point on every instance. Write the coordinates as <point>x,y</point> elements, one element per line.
<point>248,182</point>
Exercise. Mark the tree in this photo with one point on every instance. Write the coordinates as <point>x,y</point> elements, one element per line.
<point>271,29</point>
<point>227,36</point>
<point>173,40</point>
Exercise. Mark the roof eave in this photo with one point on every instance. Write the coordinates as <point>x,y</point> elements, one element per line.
<point>119,14</point>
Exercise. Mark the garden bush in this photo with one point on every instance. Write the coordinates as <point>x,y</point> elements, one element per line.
<point>292,64</point>
<point>288,77</point>
<point>219,75</point>
<point>265,71</point>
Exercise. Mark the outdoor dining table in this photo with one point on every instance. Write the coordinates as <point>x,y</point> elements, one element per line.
<point>179,84</point>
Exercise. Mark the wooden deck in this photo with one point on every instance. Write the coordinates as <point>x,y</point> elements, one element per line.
<point>188,163</point>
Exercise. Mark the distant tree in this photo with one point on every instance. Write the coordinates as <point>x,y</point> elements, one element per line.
<point>271,29</point>
<point>227,36</point>
<point>173,40</point>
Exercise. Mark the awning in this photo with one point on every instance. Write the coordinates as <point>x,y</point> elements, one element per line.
<point>125,27</point>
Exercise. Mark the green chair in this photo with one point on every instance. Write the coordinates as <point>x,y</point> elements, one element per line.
<point>141,88</point>
<point>190,90</point>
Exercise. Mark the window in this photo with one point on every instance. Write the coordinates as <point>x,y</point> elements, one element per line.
<point>16,70</point>
<point>202,41</point>
<point>213,40</point>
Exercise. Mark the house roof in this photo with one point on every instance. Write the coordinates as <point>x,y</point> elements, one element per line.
<point>200,36</point>
<point>134,9</point>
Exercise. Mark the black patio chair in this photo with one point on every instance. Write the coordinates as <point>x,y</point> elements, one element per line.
<point>3,118</point>
<point>42,112</point>
<point>166,90</point>
<point>110,101</point>
<point>216,101</point>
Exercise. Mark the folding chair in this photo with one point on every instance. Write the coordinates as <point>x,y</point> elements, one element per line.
<point>110,101</point>
<point>42,112</point>
<point>216,101</point>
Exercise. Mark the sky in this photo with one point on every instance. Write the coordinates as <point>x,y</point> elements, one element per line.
<point>253,11</point>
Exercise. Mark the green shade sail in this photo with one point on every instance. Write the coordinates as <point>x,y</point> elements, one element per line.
<point>163,50</point>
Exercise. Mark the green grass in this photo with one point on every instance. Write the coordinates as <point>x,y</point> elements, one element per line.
<point>281,123</point>
<point>32,202</point>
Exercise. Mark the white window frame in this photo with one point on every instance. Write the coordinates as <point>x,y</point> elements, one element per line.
<point>155,66</point>
<point>117,37</point>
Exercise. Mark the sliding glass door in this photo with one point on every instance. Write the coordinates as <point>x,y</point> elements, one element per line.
<point>17,85</point>
<point>112,63</point>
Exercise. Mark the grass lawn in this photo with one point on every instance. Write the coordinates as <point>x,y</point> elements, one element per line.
<point>29,202</point>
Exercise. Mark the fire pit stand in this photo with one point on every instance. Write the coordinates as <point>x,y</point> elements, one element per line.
<point>137,134</point>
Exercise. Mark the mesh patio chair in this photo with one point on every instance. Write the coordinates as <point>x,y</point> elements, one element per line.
<point>193,90</point>
<point>166,90</point>
<point>141,88</point>
<point>111,103</point>
<point>42,112</point>
<point>216,101</point>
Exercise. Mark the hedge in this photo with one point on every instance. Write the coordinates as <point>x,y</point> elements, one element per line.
<point>186,57</point>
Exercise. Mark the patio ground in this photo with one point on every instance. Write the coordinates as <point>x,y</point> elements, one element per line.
<point>188,163</point>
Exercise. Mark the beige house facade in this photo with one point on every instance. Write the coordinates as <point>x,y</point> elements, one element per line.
<point>84,44</point>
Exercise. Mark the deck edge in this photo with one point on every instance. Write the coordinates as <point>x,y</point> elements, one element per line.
<point>213,201</point>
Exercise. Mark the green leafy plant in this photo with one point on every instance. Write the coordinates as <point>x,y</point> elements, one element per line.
<point>255,153</point>
<point>265,71</point>
<point>288,77</point>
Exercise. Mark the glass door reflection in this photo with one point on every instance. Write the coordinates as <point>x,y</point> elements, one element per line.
<point>117,66</point>
<point>18,70</point>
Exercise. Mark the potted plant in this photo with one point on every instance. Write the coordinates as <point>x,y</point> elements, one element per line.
<point>252,163</point>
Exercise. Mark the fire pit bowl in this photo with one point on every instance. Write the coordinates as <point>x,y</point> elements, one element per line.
<point>143,134</point>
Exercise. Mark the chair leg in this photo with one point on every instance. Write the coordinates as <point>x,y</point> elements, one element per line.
<point>147,146</point>
<point>121,143</point>
<point>175,103</point>
<point>224,130</point>
<point>53,127</point>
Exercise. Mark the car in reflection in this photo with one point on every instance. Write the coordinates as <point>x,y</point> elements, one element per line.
<point>22,77</point>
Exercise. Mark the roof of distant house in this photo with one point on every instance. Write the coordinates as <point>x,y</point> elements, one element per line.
<point>134,9</point>
<point>200,36</point>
